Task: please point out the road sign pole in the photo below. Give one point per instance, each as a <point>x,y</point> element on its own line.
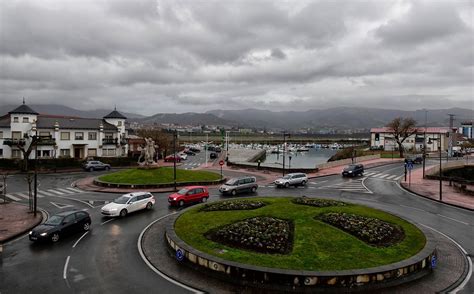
<point>409,178</point>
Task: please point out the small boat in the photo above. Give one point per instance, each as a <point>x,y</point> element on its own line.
<point>302,149</point>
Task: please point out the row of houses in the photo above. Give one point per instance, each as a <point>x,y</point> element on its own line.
<point>62,136</point>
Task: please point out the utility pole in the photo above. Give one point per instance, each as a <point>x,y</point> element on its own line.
<point>440,171</point>
<point>35,199</point>
<point>207,143</point>
<point>174,158</point>
<point>424,143</point>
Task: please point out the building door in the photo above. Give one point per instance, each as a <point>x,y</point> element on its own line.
<point>77,153</point>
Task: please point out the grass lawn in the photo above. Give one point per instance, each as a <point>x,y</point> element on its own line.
<point>158,176</point>
<point>317,246</point>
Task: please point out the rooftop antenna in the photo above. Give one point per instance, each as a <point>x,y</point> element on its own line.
<point>23,100</point>
<point>115,107</point>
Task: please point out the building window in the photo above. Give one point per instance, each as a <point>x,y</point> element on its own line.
<point>109,135</point>
<point>65,136</point>
<point>65,153</point>
<point>1,152</point>
<point>16,154</point>
<point>119,123</point>
<point>16,135</point>
<point>16,119</point>
<point>44,134</point>
<point>92,135</point>
<point>79,136</point>
<point>92,152</point>
<point>26,120</point>
<point>1,134</point>
<point>108,152</point>
<point>46,153</point>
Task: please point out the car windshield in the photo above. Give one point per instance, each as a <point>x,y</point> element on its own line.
<point>122,200</point>
<point>183,191</point>
<point>287,177</point>
<point>54,220</point>
<point>232,182</point>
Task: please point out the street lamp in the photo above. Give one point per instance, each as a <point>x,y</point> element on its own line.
<point>174,158</point>
<point>424,144</point>
<point>440,179</point>
<point>284,149</point>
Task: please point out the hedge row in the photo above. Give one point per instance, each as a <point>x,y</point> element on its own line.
<point>63,163</point>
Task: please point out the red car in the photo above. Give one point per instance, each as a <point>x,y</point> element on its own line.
<point>189,194</point>
<point>172,158</point>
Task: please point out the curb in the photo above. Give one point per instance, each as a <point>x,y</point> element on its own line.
<point>18,234</point>
<point>335,174</point>
<point>435,200</point>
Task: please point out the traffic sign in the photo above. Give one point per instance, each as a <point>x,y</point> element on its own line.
<point>410,165</point>
<point>434,261</point>
<point>179,255</point>
<point>221,162</point>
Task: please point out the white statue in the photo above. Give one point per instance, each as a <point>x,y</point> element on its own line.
<point>148,153</point>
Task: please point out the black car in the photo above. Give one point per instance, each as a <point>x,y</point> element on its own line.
<point>417,159</point>
<point>194,149</point>
<point>213,155</point>
<point>353,170</point>
<point>189,152</point>
<point>96,165</point>
<point>60,225</point>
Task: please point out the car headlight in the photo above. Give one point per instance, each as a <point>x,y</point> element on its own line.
<point>350,172</point>
<point>30,233</point>
<point>113,209</point>
<point>43,234</point>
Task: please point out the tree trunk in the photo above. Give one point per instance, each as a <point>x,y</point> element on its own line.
<point>400,149</point>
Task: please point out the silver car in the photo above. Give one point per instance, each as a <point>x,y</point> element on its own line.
<point>294,179</point>
<point>238,185</point>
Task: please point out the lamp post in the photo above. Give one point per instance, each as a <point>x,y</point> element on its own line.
<point>35,194</point>
<point>424,143</point>
<point>289,163</point>
<point>284,150</point>
<point>440,179</point>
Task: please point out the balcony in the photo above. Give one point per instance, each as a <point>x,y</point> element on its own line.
<point>46,141</point>
<point>14,142</point>
<point>110,141</point>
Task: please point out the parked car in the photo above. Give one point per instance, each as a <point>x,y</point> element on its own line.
<point>213,155</point>
<point>457,154</point>
<point>188,195</point>
<point>218,149</point>
<point>93,165</point>
<point>353,170</point>
<point>293,179</point>
<point>129,203</point>
<point>238,185</point>
<point>60,225</point>
<point>189,152</point>
<point>194,149</point>
<point>172,157</point>
<point>183,156</point>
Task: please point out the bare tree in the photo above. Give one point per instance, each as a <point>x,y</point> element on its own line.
<point>29,179</point>
<point>401,129</point>
<point>163,139</point>
<point>26,146</point>
<point>4,189</point>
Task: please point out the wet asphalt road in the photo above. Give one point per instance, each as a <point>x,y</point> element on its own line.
<point>106,260</point>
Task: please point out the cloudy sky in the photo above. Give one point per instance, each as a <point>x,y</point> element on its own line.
<point>150,56</point>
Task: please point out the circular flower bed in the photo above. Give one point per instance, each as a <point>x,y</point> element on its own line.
<point>233,205</point>
<point>261,234</point>
<point>317,202</point>
<point>370,230</point>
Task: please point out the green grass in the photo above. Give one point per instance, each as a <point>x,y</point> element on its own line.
<point>158,176</point>
<point>317,246</point>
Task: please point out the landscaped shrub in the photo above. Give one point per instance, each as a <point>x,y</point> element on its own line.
<point>233,205</point>
<point>262,234</point>
<point>317,202</point>
<point>370,230</point>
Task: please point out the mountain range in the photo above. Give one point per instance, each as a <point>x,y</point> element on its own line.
<point>331,118</point>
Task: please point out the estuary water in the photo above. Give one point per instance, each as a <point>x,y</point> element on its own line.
<point>301,159</point>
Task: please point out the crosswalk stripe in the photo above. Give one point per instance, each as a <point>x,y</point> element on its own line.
<point>391,177</point>
<point>375,175</point>
<point>398,178</point>
<point>368,174</point>
<point>64,190</point>
<point>13,197</point>
<point>56,192</point>
<point>383,176</point>
<point>45,193</point>
<point>22,195</point>
<point>74,190</point>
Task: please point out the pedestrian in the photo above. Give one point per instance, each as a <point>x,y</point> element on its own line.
<point>258,164</point>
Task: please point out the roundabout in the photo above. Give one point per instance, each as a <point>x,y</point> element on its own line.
<point>295,243</point>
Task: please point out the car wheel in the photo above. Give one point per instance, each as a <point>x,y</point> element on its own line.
<point>107,168</point>
<point>233,192</point>
<point>287,185</point>
<point>123,212</point>
<point>204,199</point>
<point>254,189</point>
<point>149,205</point>
<point>303,183</point>
<point>181,203</point>
<point>91,169</point>
<point>55,237</point>
<point>86,227</point>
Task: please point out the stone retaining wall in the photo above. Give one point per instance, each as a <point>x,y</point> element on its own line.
<point>397,273</point>
<point>347,161</point>
<point>164,185</point>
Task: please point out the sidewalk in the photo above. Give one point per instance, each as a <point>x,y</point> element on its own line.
<point>430,189</point>
<point>15,219</point>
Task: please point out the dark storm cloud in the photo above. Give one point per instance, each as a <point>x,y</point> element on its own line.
<point>177,56</point>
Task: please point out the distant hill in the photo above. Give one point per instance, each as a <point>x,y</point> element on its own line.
<point>188,118</point>
<point>56,109</point>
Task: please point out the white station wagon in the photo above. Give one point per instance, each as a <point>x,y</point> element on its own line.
<point>129,203</point>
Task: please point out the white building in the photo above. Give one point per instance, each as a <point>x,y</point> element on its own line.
<point>435,136</point>
<point>62,136</point>
<point>466,130</point>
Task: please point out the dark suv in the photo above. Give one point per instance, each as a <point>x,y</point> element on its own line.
<point>96,165</point>
<point>353,170</point>
<point>237,185</point>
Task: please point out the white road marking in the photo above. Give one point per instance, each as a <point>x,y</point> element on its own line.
<point>376,175</point>
<point>368,174</point>
<point>77,242</point>
<point>469,273</point>
<point>61,205</point>
<point>64,190</point>
<point>391,177</point>
<point>13,197</point>
<point>74,190</point>
<point>398,178</point>
<point>412,207</point>
<point>22,195</point>
<point>56,192</point>
<point>65,267</point>
<point>317,183</point>
<point>45,193</point>
<point>453,219</point>
<point>107,221</point>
